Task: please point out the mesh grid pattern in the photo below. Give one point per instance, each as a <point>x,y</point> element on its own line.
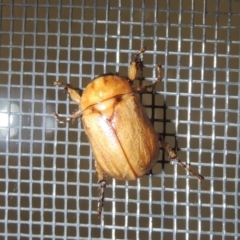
<point>48,186</point>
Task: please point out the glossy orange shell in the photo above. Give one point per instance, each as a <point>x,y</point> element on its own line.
<point>123,140</point>
<point>102,88</point>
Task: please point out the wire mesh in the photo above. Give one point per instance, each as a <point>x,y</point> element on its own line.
<point>48,186</point>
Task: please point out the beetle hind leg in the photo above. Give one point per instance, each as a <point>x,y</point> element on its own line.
<point>101,188</point>
<point>102,184</point>
<point>174,158</point>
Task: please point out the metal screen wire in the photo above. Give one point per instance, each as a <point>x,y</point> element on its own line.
<point>48,185</point>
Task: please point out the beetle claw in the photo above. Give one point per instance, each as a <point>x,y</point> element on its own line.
<point>101,188</point>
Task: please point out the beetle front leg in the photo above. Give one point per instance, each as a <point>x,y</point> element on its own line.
<point>174,158</point>
<point>136,65</point>
<point>72,118</point>
<point>75,95</point>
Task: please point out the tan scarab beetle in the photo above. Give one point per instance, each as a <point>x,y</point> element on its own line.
<point>123,140</point>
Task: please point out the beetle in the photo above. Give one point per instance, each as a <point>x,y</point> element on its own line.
<point>123,140</point>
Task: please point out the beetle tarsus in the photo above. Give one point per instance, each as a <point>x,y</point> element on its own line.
<point>142,50</point>
<point>62,84</point>
<point>159,70</point>
<point>59,120</point>
<point>72,118</point>
<point>101,188</point>
<point>174,158</point>
<point>139,61</point>
<point>187,169</point>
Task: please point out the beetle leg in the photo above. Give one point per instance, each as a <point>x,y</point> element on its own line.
<point>59,120</point>
<point>102,184</point>
<point>101,188</point>
<point>141,89</point>
<point>136,65</point>
<point>174,158</point>
<point>74,93</point>
<point>139,62</point>
<point>72,117</point>
<point>142,50</point>
<point>61,84</point>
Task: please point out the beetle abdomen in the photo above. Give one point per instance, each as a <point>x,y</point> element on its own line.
<point>125,146</point>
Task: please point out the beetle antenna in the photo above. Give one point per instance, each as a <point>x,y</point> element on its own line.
<point>101,188</point>
<point>174,158</point>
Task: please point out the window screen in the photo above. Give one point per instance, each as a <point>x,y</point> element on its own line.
<point>48,185</point>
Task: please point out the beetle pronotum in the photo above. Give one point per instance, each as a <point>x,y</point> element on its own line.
<point>123,140</point>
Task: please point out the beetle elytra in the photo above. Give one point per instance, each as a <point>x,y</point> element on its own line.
<point>123,140</point>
